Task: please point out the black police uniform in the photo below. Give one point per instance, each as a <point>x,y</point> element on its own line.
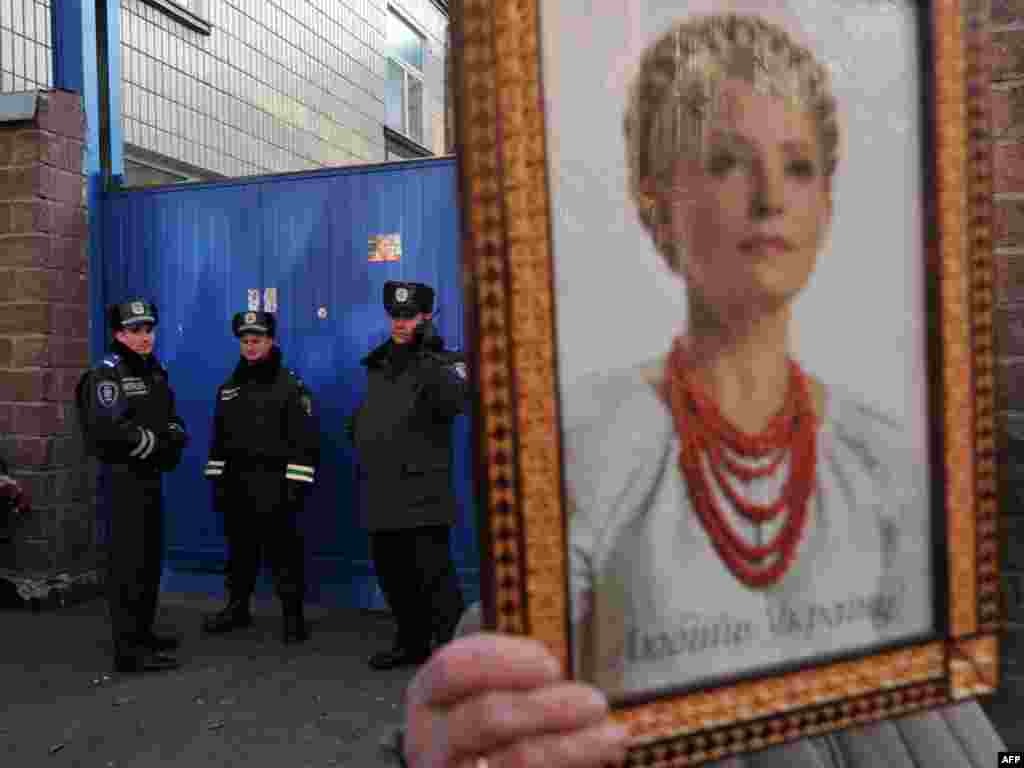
<point>402,433</point>
<point>263,460</point>
<point>128,418</point>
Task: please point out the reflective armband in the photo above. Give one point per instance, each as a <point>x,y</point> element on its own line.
<point>145,446</point>
<point>214,468</point>
<point>299,472</point>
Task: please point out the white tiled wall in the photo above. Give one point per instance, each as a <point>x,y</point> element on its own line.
<point>278,85</point>
<point>26,61</point>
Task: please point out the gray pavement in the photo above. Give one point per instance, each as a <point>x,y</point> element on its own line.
<point>239,700</point>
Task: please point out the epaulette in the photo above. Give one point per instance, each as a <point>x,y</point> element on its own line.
<point>111,360</point>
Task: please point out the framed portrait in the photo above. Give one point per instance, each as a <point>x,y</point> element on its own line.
<point>729,276</point>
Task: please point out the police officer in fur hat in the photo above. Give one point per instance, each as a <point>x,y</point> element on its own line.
<point>263,461</point>
<point>402,433</point>
<point>128,419</point>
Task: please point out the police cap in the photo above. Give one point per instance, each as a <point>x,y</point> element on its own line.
<point>262,323</point>
<point>408,299</point>
<point>130,313</point>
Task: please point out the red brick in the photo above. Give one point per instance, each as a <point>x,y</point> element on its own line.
<point>74,155</point>
<point>34,146</point>
<point>1008,112</point>
<point>24,386</point>
<point>1010,386</point>
<point>21,183</point>
<point>26,318</point>
<point>26,250</point>
<point>1007,11</point>
<point>31,216</point>
<point>74,288</point>
<point>29,285</point>
<point>5,146</point>
<point>26,451</point>
<point>1007,54</point>
<point>70,253</point>
<point>36,418</point>
<point>57,184</point>
<point>68,353</point>
<point>68,219</point>
<point>61,112</point>
<point>30,352</point>
<point>60,384</point>
<point>1009,167</point>
<point>1008,222</point>
<point>71,322</point>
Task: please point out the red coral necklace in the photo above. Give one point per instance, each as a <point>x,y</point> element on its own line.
<point>705,434</point>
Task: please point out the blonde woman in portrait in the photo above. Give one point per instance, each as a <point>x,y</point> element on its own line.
<point>727,510</point>
<point>732,142</point>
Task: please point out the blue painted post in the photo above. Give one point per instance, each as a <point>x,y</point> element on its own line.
<point>76,68</point>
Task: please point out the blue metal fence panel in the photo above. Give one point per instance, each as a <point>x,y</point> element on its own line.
<point>199,250</point>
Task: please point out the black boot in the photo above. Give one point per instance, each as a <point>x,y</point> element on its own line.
<point>234,615</point>
<point>398,657</point>
<point>294,629</point>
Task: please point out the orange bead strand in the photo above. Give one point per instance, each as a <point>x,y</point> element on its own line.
<point>705,434</point>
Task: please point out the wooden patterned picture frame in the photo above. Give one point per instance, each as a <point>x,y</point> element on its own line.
<point>549,215</point>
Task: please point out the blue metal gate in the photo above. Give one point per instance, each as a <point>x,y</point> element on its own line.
<point>300,241</point>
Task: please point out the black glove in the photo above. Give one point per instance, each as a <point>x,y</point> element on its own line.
<point>425,336</point>
<point>171,444</point>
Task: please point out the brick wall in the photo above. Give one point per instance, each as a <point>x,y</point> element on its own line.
<point>44,324</point>
<point>1004,42</point>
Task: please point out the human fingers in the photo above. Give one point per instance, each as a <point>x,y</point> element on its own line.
<point>600,746</point>
<point>482,662</point>
<point>495,719</point>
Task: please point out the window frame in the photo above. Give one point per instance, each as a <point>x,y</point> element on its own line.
<point>408,71</point>
<point>197,19</point>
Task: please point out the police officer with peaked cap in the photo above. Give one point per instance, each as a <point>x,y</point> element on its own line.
<point>402,433</point>
<point>263,460</point>
<point>128,419</point>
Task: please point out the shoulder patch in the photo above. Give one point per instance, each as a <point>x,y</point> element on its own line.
<point>107,393</point>
<point>111,361</point>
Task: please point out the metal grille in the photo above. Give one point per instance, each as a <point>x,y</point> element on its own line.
<point>26,58</point>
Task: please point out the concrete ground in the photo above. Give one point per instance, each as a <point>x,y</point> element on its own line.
<point>239,700</point>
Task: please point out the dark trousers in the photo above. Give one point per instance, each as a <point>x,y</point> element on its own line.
<point>417,576</point>
<point>134,507</point>
<point>259,522</point>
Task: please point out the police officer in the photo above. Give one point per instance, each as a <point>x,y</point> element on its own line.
<point>403,435</point>
<point>263,460</point>
<point>128,419</point>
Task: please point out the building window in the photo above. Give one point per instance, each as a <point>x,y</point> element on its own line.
<point>403,97</point>
<point>191,13</point>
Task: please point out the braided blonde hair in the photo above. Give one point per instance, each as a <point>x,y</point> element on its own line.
<point>675,94</point>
